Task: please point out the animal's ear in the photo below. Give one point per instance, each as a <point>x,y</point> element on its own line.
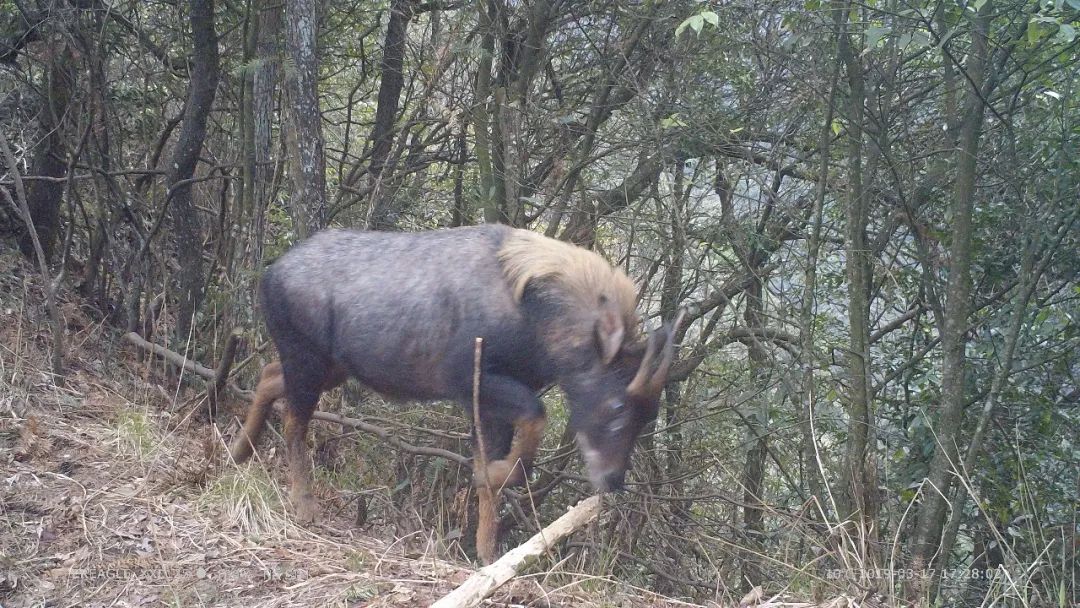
<point>609,330</point>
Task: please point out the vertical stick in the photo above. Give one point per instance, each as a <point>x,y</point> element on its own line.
<point>50,287</point>
<point>216,386</point>
<point>487,524</point>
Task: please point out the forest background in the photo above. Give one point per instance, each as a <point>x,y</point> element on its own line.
<point>869,210</point>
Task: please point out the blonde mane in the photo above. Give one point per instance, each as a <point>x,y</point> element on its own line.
<point>583,275</point>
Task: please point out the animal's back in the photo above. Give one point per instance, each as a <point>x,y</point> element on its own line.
<point>398,310</point>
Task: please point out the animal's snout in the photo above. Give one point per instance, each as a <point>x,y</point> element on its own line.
<point>613,482</point>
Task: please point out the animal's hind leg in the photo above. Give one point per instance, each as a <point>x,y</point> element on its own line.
<point>271,387</point>
<point>307,378</point>
<point>297,416</point>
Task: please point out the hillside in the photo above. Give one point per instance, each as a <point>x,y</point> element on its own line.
<point>114,493</point>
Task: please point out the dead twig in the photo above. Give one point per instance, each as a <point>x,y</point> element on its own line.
<point>388,436</point>
<point>489,578</point>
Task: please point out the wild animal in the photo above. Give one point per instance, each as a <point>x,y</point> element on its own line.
<point>400,313</point>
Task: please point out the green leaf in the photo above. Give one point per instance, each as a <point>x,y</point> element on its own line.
<point>1066,34</point>
<point>915,39</point>
<point>696,23</point>
<point>978,5</point>
<point>875,34</point>
<point>671,122</point>
<point>682,26</point>
<point>711,17</point>
<point>836,126</point>
<point>1033,32</point>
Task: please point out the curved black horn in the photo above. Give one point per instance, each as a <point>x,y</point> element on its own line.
<point>650,384</point>
<point>659,377</point>
<point>641,383</point>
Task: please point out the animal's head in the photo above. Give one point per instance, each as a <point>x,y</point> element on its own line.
<point>585,310</point>
<point>612,403</point>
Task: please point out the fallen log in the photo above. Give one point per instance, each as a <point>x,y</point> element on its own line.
<point>171,356</point>
<point>489,578</point>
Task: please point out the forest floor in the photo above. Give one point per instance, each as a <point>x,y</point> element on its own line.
<point>112,493</point>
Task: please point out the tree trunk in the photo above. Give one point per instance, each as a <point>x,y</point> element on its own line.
<point>46,278</point>
<point>44,197</point>
<point>528,50</point>
<point>958,303</point>
<point>1028,281</point>
<point>381,216</point>
<point>856,487</point>
<point>259,90</point>
<point>669,303</point>
<point>308,163</point>
<point>481,116</point>
<point>757,439</point>
<point>460,215</point>
<point>808,454</point>
<point>187,229</point>
<point>245,213</point>
<point>500,107</point>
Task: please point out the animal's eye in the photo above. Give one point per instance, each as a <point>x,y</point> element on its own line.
<point>616,425</point>
<point>619,417</point>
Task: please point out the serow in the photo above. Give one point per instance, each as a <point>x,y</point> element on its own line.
<point>400,312</point>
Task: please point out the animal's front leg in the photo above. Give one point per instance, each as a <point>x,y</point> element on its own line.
<point>511,470</point>
<point>511,426</point>
<point>513,422</point>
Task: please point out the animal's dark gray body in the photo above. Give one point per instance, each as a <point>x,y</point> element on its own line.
<point>400,311</point>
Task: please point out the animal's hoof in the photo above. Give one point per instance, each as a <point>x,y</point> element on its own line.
<point>502,473</point>
<point>305,509</point>
<point>240,450</point>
